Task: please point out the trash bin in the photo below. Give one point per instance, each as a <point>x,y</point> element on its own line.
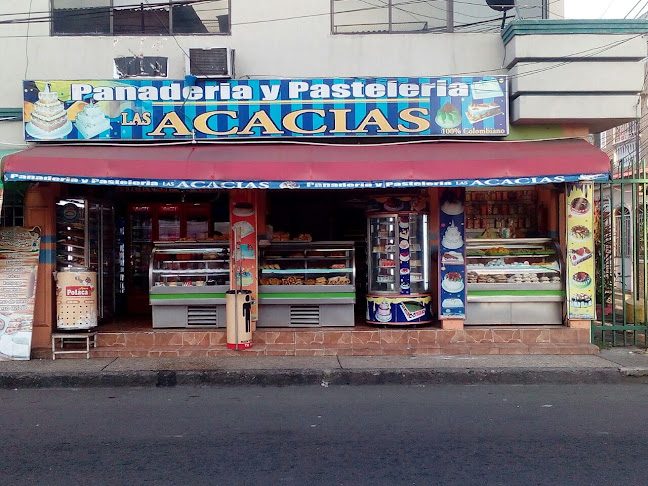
<point>76,299</point>
<point>238,304</point>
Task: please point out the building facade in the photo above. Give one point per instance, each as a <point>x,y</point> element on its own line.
<point>354,165</point>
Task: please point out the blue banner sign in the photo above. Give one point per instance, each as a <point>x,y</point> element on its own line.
<point>12,176</point>
<point>275,108</point>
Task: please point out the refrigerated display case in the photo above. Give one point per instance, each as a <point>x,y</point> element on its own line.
<point>187,283</point>
<point>399,269</point>
<point>307,284</point>
<point>158,222</point>
<point>85,239</point>
<point>514,281</point>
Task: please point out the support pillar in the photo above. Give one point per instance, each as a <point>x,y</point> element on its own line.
<point>40,211</point>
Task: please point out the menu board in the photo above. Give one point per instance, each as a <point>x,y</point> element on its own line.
<point>580,251</point>
<point>244,265</point>
<point>19,252</point>
<point>452,255</point>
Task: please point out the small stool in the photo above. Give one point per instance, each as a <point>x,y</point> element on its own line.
<point>90,337</point>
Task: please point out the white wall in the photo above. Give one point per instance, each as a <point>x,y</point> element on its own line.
<point>267,43</point>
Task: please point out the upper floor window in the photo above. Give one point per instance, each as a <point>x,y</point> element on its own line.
<point>148,17</point>
<point>398,16</point>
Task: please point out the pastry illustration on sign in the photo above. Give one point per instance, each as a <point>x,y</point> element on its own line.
<point>384,313</point>
<point>452,208</point>
<point>480,111</point>
<point>579,206</point>
<point>452,282</point>
<point>246,228</point>
<point>448,116</point>
<point>49,119</point>
<point>452,303</point>
<point>243,209</point>
<point>92,121</point>
<point>581,280</point>
<point>452,238</point>
<point>579,255</point>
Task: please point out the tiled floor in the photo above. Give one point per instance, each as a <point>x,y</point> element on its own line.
<point>139,339</point>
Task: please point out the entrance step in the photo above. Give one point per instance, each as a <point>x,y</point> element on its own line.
<point>359,341</point>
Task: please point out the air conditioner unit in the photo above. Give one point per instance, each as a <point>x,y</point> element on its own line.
<point>211,62</point>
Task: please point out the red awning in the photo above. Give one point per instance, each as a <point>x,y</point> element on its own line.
<point>416,162</point>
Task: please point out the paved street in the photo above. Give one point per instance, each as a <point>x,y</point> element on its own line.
<point>425,435</point>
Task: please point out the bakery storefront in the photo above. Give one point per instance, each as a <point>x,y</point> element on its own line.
<point>360,202</point>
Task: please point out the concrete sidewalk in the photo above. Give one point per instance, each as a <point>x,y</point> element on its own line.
<point>618,365</point>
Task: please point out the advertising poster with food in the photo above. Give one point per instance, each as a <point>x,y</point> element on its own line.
<point>135,109</point>
<point>580,251</point>
<point>19,252</point>
<point>243,220</point>
<point>452,255</point>
<point>403,310</point>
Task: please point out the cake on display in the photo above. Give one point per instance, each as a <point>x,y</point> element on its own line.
<point>92,121</point>
<point>49,119</point>
<point>452,238</point>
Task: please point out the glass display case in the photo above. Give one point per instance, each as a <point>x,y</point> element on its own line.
<point>399,269</point>
<point>514,281</point>
<point>307,284</point>
<point>85,240</point>
<point>187,283</point>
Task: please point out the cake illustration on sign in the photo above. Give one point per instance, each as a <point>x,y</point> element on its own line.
<point>480,111</point>
<point>49,119</point>
<point>384,313</point>
<point>452,239</point>
<point>92,121</point>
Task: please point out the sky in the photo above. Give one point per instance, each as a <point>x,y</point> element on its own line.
<point>596,9</point>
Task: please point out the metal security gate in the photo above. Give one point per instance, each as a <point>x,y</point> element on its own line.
<point>620,257</point>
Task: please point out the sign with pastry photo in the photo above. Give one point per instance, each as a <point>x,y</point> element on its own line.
<point>135,109</point>
<point>452,261</point>
<point>580,251</point>
<point>243,222</point>
<point>19,252</point>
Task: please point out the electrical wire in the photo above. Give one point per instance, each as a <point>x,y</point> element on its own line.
<point>635,6</point>
<point>27,43</point>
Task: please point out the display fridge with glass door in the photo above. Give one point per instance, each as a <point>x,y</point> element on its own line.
<point>85,240</point>
<point>399,267</point>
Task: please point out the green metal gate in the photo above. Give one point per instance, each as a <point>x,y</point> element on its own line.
<point>620,257</point>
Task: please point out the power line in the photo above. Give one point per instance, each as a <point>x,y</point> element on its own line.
<point>629,11</point>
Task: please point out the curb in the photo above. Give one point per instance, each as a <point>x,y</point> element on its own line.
<point>448,376</point>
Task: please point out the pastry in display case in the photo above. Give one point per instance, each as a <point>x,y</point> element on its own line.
<point>187,283</point>
<point>517,281</point>
<point>398,255</point>
<point>305,283</point>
